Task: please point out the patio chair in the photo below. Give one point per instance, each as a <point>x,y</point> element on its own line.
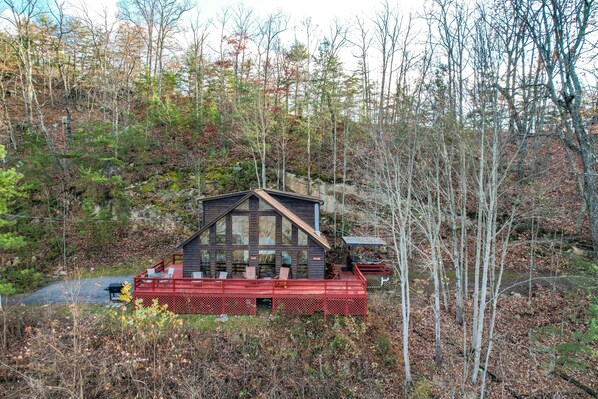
<point>197,275</point>
<point>169,275</point>
<point>223,275</point>
<point>282,277</point>
<point>250,273</point>
<point>151,273</point>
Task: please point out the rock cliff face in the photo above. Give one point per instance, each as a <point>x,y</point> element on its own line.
<point>173,208</point>
<point>325,190</point>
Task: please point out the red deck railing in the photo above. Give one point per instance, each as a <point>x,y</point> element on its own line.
<point>344,296</point>
<point>374,268</point>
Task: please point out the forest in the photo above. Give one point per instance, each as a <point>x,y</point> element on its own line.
<point>463,133</point>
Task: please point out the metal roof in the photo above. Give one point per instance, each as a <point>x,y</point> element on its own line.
<point>357,240</point>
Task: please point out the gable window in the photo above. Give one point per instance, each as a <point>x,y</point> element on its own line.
<point>264,206</point>
<point>244,206</point>
<point>267,230</point>
<point>301,237</point>
<point>240,229</point>
<point>287,232</point>
<point>221,231</point>
<point>204,238</point>
<point>267,263</point>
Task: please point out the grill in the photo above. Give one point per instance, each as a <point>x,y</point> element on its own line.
<point>114,289</point>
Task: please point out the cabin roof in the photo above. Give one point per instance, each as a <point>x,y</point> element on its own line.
<point>269,191</point>
<point>277,206</point>
<point>363,240</point>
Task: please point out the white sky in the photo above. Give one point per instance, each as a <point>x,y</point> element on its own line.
<point>322,14</point>
<point>321,11</point>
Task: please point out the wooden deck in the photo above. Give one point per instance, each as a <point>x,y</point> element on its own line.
<point>348,284</point>
<point>346,295</point>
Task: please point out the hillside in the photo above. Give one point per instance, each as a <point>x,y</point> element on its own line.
<point>463,134</point>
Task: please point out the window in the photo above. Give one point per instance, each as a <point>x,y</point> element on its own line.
<point>220,261</point>
<point>240,229</point>
<point>301,237</point>
<point>267,263</point>
<point>264,206</point>
<point>287,261</point>
<point>287,232</point>
<point>244,206</point>
<point>302,264</point>
<point>204,262</point>
<point>267,230</point>
<point>240,261</point>
<point>204,238</point>
<point>221,231</point>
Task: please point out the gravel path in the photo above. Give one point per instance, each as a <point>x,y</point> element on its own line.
<point>90,290</point>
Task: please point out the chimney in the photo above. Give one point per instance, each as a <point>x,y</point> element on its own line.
<point>317,217</point>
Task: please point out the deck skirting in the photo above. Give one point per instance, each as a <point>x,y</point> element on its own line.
<point>239,304</point>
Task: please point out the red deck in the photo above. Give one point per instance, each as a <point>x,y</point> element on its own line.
<point>344,296</point>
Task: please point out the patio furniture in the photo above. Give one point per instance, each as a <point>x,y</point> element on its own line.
<point>250,273</point>
<point>334,270</point>
<point>282,277</point>
<point>223,275</point>
<point>169,275</point>
<point>151,273</point>
<point>197,275</point>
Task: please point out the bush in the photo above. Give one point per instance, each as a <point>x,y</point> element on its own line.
<point>23,280</point>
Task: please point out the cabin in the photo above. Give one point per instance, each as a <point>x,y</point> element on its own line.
<point>253,246</point>
<point>265,229</point>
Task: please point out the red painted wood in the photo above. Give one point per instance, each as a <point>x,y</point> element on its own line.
<point>344,296</point>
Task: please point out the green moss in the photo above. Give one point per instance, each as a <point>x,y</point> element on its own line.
<point>382,343</point>
<point>125,268</point>
<point>422,390</point>
<point>579,263</point>
<point>339,343</point>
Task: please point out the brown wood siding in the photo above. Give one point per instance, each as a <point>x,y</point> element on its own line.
<point>302,208</point>
<point>214,208</point>
<point>315,261</point>
<point>191,257</point>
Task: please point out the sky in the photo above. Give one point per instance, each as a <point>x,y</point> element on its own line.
<point>322,13</point>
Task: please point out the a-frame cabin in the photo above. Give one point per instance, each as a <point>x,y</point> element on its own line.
<point>266,229</point>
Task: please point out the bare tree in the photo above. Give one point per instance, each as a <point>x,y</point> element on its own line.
<point>395,169</point>
<point>560,32</point>
<point>20,16</point>
<point>196,61</point>
<point>160,20</point>
<point>269,30</point>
